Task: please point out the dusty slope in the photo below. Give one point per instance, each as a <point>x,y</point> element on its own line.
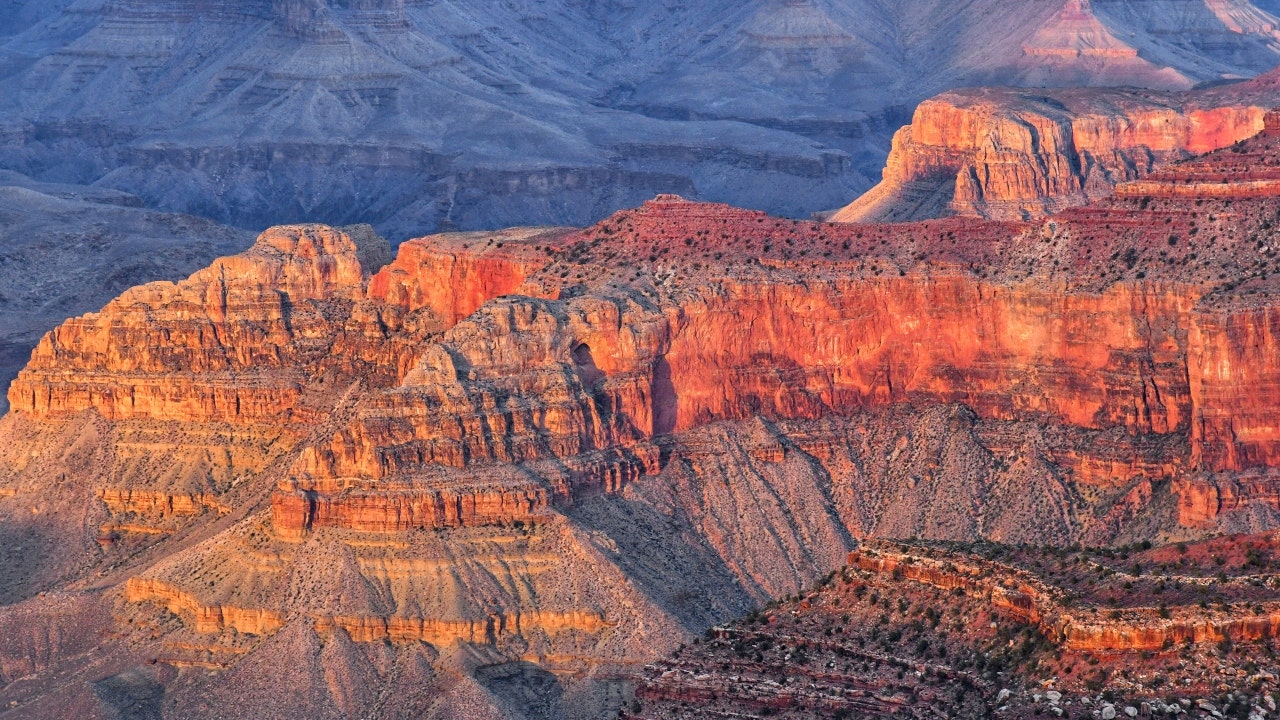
<point>412,115</point>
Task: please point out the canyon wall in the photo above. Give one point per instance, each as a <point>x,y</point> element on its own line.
<point>538,381</point>
<point>1015,154</point>
<point>227,344</point>
<point>567,447</point>
<point>474,266</point>
<point>568,113</point>
<point>579,388</point>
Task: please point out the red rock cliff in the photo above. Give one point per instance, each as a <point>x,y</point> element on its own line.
<point>1018,154</point>
<point>586,385</point>
<point>451,276</point>
<point>677,315</point>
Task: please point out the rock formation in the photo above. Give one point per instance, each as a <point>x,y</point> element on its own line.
<point>1020,595</point>
<point>544,451</point>
<point>906,630</point>
<point>1016,154</point>
<point>1077,32</point>
<point>239,331</point>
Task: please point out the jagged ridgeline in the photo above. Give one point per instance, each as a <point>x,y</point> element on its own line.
<point>501,471</point>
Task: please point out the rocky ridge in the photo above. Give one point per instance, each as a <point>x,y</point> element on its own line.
<point>918,629</point>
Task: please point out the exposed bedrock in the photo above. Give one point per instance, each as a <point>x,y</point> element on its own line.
<point>1012,154</point>
<point>1023,596</point>
<point>574,447</point>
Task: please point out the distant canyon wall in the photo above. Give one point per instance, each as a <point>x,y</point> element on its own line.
<point>1021,154</point>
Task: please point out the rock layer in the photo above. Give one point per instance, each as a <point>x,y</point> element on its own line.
<point>1015,154</point>
<point>1021,596</point>
<point>876,638</point>
<point>580,388</point>
<point>223,345</point>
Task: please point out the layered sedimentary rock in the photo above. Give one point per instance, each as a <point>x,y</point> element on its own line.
<point>205,619</point>
<point>54,264</point>
<point>223,345</point>
<point>559,383</point>
<point>572,448</point>
<point>154,99</point>
<point>124,500</point>
<point>443,633</point>
<point>1017,154</point>
<point>581,387</point>
<point>386,508</point>
<point>497,265</point>
<point>1076,44</point>
<point>975,630</point>
<point>1203,499</point>
<point>1076,32</point>
<point>1021,595</point>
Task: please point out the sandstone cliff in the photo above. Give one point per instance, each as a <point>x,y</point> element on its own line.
<point>582,387</point>
<point>1018,154</point>
<point>226,344</point>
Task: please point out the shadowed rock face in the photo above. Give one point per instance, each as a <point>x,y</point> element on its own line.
<point>415,115</point>
<point>508,457</point>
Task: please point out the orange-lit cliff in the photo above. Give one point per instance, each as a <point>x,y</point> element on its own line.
<point>521,441</point>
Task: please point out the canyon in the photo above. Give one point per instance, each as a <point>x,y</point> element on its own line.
<point>413,116</point>
<point>498,473</point>
<point>420,111</point>
<point>1000,438</point>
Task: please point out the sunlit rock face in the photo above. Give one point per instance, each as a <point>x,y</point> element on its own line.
<point>560,452</point>
<point>184,351</point>
<point>417,117</point>
<point>1015,154</point>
